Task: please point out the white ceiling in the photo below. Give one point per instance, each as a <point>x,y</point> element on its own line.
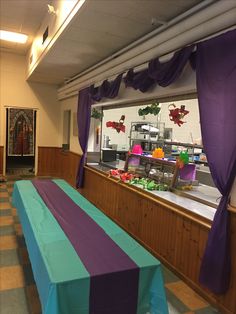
<point>23,16</point>
<point>102,28</point>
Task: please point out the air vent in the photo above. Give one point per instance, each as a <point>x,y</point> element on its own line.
<point>45,35</point>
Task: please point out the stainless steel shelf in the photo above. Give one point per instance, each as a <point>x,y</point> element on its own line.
<point>183,144</point>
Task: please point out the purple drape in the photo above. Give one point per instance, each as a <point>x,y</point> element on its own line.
<point>106,89</point>
<point>86,97</point>
<point>161,73</point>
<point>216,86</point>
<point>83,120</point>
<point>168,72</point>
<point>140,80</point>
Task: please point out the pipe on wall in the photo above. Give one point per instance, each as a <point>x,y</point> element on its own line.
<point>219,16</point>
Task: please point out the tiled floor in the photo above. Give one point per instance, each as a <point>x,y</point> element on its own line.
<point>18,292</point>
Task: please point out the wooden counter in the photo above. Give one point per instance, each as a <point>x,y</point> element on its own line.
<point>176,235</point>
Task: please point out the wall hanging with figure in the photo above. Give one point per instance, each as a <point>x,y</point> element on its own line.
<point>21,132</point>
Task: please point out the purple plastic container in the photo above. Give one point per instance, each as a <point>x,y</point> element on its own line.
<point>188,172</point>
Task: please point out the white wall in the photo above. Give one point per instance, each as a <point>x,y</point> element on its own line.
<point>16,91</point>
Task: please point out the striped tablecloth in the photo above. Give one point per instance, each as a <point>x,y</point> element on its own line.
<point>83,263</point>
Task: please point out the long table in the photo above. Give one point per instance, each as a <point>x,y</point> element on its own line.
<point>101,270</point>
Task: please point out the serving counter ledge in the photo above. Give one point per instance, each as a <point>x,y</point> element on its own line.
<point>186,200</point>
<point>172,227</point>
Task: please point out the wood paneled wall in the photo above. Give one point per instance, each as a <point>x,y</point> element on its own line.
<point>48,161</point>
<point>1,159</point>
<point>176,236</point>
<point>53,161</point>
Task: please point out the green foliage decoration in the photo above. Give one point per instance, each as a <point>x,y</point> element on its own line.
<point>97,114</point>
<point>151,109</point>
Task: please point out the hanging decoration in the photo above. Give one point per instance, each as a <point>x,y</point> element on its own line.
<point>118,126</point>
<point>20,132</point>
<point>177,114</point>
<point>151,109</point>
<point>182,159</point>
<point>97,114</point>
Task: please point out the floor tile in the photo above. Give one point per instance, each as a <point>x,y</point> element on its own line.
<point>4,199</point>
<point>3,194</point>
<point>9,258</point>
<point>5,230</point>
<point>13,301</point>
<point>10,184</point>
<point>16,219</point>
<point>23,256</point>
<point>208,310</point>
<point>28,274</point>
<point>21,241</point>
<point>168,275</point>
<point>18,229</point>
<point>186,295</point>
<point>33,299</point>
<point>175,304</point>
<point>8,242</point>
<point>14,211</point>
<point>6,220</point>
<point>3,186</point>
<point>11,277</point>
<point>10,190</point>
<point>5,212</point>
<point>5,205</point>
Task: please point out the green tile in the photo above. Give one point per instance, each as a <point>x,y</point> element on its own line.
<point>4,199</point>
<point>5,212</point>
<point>3,189</point>
<point>6,230</point>
<point>13,301</point>
<point>9,184</point>
<point>175,304</point>
<point>9,258</point>
<point>208,310</point>
<point>168,276</point>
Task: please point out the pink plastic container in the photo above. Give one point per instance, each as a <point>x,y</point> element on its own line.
<point>137,149</point>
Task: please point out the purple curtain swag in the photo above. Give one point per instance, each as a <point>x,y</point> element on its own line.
<point>159,73</point>
<point>216,81</point>
<point>86,98</point>
<point>106,89</point>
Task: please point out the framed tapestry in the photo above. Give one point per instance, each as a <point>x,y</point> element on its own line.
<point>20,132</point>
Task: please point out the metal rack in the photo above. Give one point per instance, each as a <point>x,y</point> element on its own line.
<point>187,145</point>
<point>148,138</point>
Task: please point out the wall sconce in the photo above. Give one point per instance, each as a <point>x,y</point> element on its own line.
<point>51,9</point>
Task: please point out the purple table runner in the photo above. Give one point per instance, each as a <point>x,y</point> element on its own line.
<point>114,276</point>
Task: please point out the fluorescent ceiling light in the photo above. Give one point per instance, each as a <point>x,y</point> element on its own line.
<point>14,37</point>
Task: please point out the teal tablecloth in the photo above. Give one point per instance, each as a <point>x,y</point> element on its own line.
<point>62,280</point>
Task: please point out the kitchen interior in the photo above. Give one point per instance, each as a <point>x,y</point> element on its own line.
<point>149,146</point>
